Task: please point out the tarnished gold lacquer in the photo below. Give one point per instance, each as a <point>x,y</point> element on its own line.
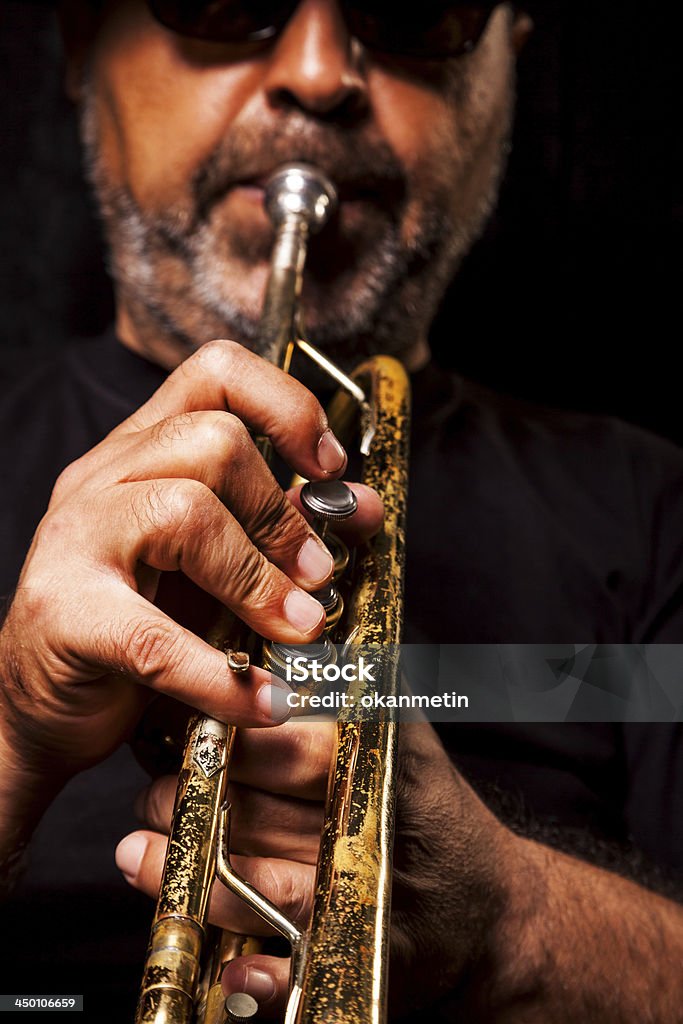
<point>344,974</point>
<point>172,967</point>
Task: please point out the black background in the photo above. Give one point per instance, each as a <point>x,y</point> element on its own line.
<point>571,297</point>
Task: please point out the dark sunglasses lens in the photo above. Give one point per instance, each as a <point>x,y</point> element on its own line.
<point>424,30</point>
<point>428,29</point>
<point>224,21</point>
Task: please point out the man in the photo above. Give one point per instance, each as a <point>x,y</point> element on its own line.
<point>567,530</point>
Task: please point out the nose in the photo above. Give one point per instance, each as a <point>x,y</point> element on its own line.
<point>316,65</point>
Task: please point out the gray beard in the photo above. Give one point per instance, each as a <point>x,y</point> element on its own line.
<point>171,274</point>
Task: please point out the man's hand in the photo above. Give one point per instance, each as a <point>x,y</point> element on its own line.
<point>486,925</point>
<point>448,848</point>
<point>179,488</point>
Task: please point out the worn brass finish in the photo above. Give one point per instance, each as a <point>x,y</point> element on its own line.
<point>173,962</point>
<point>344,975</point>
<point>339,963</point>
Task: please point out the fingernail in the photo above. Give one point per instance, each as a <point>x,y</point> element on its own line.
<point>237,978</point>
<point>314,561</point>
<point>303,611</point>
<point>259,985</point>
<point>331,455</point>
<point>129,854</point>
<point>271,700</point>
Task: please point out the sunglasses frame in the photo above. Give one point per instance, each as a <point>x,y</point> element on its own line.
<point>406,41</point>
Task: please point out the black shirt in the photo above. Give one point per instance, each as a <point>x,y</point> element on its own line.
<point>526,525</point>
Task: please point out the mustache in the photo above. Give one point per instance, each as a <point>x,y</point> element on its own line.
<point>358,163</point>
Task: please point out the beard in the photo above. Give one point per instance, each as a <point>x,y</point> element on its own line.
<point>373,278</point>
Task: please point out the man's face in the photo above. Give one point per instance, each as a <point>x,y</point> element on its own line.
<point>181,135</point>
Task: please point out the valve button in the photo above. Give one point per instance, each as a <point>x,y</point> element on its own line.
<point>240,1007</point>
<point>329,500</point>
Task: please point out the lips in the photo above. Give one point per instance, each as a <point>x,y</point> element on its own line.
<point>249,186</point>
<point>362,190</point>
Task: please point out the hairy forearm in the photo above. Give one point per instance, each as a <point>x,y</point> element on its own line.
<point>579,943</point>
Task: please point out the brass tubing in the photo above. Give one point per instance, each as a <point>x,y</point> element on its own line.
<point>173,959</point>
<point>343,977</point>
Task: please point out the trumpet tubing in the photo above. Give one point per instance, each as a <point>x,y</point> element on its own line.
<point>339,962</point>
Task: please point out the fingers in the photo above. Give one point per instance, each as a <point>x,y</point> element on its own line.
<point>126,634</point>
<point>224,376</point>
<point>215,449</point>
<point>259,557</point>
<point>181,525</point>
<point>261,824</point>
<point>175,481</point>
<point>264,978</point>
<point>293,760</point>
<point>363,524</point>
<point>287,884</point>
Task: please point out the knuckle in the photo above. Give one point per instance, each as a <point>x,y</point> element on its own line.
<point>171,507</point>
<point>55,528</point>
<point>251,581</point>
<point>67,481</point>
<point>311,752</point>
<point>71,535</point>
<point>34,598</point>
<point>224,435</point>
<point>216,359</point>
<point>295,896</point>
<point>150,646</point>
<point>213,434</point>
<point>278,523</point>
<point>283,887</point>
<point>171,429</point>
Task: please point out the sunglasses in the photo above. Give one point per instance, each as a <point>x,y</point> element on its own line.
<point>428,30</point>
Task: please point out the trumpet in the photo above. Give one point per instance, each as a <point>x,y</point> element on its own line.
<point>339,962</point>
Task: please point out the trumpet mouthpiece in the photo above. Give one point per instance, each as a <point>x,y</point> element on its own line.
<point>300,190</point>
